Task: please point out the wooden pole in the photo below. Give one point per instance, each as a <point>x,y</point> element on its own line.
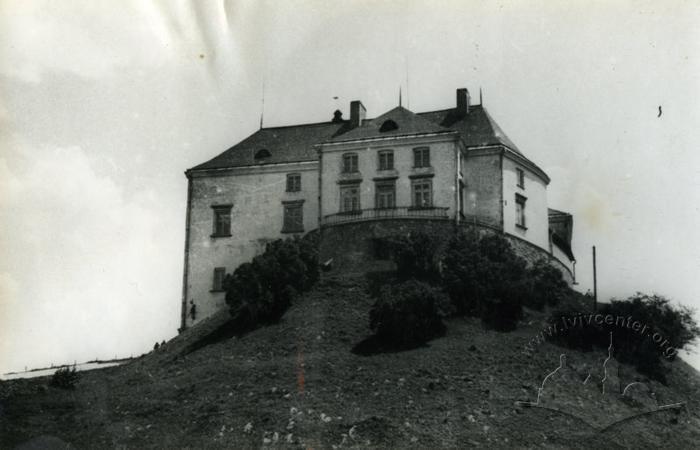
<point>595,283</point>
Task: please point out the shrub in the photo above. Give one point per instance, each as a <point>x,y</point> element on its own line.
<point>674,323</point>
<point>415,256</point>
<point>485,278</point>
<point>545,286</point>
<point>409,314</point>
<point>65,378</point>
<point>262,290</point>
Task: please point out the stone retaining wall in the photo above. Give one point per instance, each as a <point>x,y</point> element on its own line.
<point>351,245</point>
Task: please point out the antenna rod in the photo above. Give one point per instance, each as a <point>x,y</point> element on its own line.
<point>262,109</point>
<point>408,96</point>
<point>399,95</point>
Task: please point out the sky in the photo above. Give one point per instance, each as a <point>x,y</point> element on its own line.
<point>104,105</point>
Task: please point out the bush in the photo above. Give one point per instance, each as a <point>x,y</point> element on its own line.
<point>409,314</point>
<point>415,256</point>
<point>485,278</point>
<point>65,378</point>
<point>546,286</point>
<point>261,291</point>
<point>674,323</point>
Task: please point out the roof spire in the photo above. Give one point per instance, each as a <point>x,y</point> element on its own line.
<point>399,95</point>
<point>262,101</point>
<point>481,100</point>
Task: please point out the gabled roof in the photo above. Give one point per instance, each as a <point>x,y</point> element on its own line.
<point>286,144</point>
<point>476,127</point>
<point>407,123</point>
<point>296,143</point>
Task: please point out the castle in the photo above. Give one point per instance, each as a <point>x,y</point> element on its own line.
<point>451,166</point>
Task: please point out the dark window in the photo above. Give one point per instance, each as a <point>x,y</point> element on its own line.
<point>386,160</point>
<point>521,177</point>
<point>388,125</point>
<point>386,195</point>
<point>422,193</point>
<point>520,210</point>
<point>293,218</point>
<point>222,220</point>
<point>219,275</point>
<point>293,182</point>
<point>421,157</point>
<point>350,198</point>
<point>263,153</point>
<point>350,162</point>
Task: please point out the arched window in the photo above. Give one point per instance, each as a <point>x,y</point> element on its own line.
<point>263,153</point>
<point>388,125</point>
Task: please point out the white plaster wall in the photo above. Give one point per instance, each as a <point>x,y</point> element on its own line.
<point>561,256</point>
<point>483,186</point>
<point>536,216</point>
<point>442,161</point>
<point>256,218</point>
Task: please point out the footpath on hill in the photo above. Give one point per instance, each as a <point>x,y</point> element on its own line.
<point>298,384</point>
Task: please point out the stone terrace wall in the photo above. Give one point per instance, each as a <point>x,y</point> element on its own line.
<point>352,245</point>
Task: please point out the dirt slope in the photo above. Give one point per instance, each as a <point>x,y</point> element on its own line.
<point>298,384</point>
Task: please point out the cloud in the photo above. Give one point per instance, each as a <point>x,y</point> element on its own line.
<point>86,39</point>
<point>82,264</point>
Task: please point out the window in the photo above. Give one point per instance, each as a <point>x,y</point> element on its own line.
<point>350,198</point>
<point>388,125</point>
<point>293,182</point>
<point>386,195</point>
<point>386,160</point>
<point>521,177</point>
<point>219,276</point>
<point>293,217</point>
<point>520,210</point>
<point>350,162</point>
<point>222,220</point>
<point>422,193</point>
<point>263,153</point>
<point>421,157</point>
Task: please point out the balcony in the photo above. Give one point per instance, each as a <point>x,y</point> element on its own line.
<point>403,212</point>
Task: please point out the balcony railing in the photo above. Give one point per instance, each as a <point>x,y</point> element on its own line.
<point>403,212</point>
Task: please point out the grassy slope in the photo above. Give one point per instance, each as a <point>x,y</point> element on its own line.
<point>299,379</point>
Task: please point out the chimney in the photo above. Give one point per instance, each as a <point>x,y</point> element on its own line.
<point>463,101</point>
<point>357,113</point>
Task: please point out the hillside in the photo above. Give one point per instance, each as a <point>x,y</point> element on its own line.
<point>298,384</point>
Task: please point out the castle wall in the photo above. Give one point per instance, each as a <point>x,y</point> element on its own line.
<point>561,256</point>
<point>536,213</point>
<point>257,213</point>
<point>483,188</point>
<point>441,172</point>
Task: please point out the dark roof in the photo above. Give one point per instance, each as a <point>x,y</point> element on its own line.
<point>555,212</point>
<point>477,127</point>
<point>296,143</point>
<point>408,123</point>
<point>286,144</point>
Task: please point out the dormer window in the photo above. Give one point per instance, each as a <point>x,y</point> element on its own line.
<point>388,125</point>
<point>262,154</point>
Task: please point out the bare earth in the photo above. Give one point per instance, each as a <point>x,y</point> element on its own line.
<point>297,384</point>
